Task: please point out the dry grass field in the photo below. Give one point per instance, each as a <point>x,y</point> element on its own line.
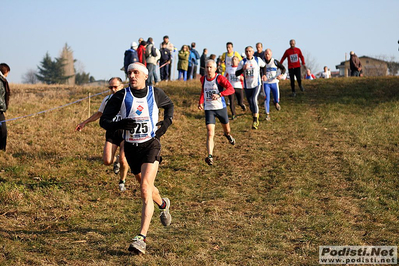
<point>323,171</point>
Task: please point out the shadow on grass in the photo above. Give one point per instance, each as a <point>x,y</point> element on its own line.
<point>39,155</point>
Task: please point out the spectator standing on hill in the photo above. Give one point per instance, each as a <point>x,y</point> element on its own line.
<point>294,54</point>
<point>355,65</point>
<point>171,48</point>
<point>182,64</point>
<point>194,63</point>
<point>113,138</point>
<point>237,83</point>
<point>141,52</point>
<point>139,106</point>
<point>271,80</point>
<point>250,66</point>
<point>214,88</point>
<point>203,62</point>
<point>130,56</point>
<point>191,59</point>
<point>4,103</point>
<point>152,57</point>
<point>227,56</point>
<point>309,75</point>
<point>164,62</point>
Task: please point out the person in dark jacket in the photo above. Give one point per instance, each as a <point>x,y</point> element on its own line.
<point>130,56</point>
<point>203,62</point>
<point>355,65</point>
<point>164,62</point>
<point>4,103</point>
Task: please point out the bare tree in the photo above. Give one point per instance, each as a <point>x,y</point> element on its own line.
<point>30,77</point>
<point>69,69</point>
<point>393,66</point>
<point>310,62</point>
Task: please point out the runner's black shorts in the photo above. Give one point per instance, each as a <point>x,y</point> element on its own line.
<point>138,154</point>
<point>221,114</point>
<point>115,137</point>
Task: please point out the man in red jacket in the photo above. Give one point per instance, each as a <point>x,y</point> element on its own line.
<point>294,66</point>
<point>141,52</point>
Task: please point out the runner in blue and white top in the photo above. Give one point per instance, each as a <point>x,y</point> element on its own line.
<point>250,66</point>
<point>139,106</point>
<point>237,83</point>
<point>270,79</point>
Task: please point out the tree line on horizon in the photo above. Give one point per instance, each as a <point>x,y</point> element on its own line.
<point>60,70</point>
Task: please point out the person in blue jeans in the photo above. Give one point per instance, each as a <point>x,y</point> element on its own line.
<point>182,64</point>
<point>270,80</point>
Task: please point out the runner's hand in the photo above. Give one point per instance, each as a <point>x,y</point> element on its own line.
<point>164,126</point>
<point>127,124</point>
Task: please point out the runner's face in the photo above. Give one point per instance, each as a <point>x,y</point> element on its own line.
<point>137,79</point>
<point>235,61</point>
<point>229,48</point>
<point>292,43</point>
<point>210,70</point>
<point>249,52</point>
<point>114,85</point>
<point>259,48</point>
<point>268,55</point>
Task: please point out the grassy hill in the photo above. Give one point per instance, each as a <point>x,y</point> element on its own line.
<point>323,171</point>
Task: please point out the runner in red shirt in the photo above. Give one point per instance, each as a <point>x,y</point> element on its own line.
<point>214,88</point>
<point>294,67</point>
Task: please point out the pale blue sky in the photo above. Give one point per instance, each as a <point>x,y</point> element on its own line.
<point>100,31</point>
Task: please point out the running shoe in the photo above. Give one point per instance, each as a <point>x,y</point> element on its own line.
<point>267,117</point>
<point>165,216</point>
<point>230,139</point>
<point>234,117</point>
<point>122,185</point>
<point>255,125</point>
<point>117,165</point>
<point>209,160</point>
<point>293,94</point>
<point>302,89</point>
<point>138,245</point>
<point>243,107</point>
<point>278,107</point>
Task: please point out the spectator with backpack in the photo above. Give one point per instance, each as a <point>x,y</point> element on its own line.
<point>130,56</point>
<point>152,58</point>
<point>193,62</point>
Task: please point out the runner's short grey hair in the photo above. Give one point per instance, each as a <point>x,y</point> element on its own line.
<point>212,62</point>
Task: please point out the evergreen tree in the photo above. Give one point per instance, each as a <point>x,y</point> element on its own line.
<point>82,78</point>
<point>52,71</point>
